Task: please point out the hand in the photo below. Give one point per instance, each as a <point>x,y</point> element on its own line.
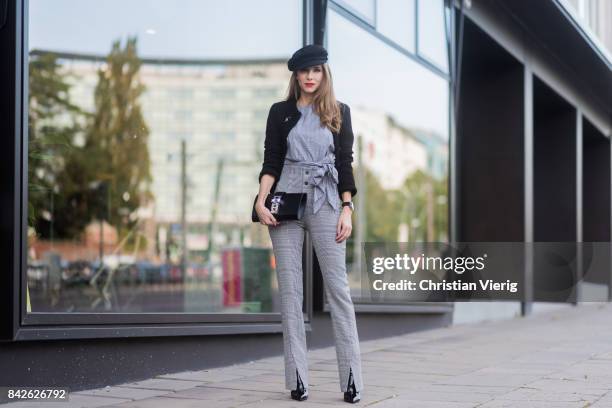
<point>265,216</point>
<point>345,226</point>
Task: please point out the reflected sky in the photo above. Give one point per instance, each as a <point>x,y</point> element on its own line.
<point>395,19</point>
<point>370,73</point>
<point>180,29</point>
<point>432,41</point>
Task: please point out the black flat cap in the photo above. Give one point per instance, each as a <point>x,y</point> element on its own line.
<point>307,57</point>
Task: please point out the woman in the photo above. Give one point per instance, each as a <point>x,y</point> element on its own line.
<point>309,148</point>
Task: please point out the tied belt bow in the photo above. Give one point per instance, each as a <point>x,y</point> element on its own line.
<point>322,189</point>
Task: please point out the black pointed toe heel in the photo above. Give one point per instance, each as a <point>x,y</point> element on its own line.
<point>300,393</point>
<point>351,395</point>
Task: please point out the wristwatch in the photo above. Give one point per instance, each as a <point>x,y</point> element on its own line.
<point>349,204</point>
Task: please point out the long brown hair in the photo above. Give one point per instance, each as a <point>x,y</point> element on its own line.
<point>324,101</point>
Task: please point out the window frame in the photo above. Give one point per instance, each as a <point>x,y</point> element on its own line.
<point>18,325</point>
<point>346,11</point>
<point>366,306</point>
<point>76,325</point>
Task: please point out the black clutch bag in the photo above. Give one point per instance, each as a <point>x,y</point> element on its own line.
<point>283,206</point>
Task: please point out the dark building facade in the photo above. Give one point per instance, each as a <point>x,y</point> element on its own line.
<point>129,168</point>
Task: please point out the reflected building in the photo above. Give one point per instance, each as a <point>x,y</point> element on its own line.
<point>437,152</point>
<point>219,109</point>
<point>391,151</point>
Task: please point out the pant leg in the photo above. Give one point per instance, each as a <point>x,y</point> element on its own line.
<point>287,240</point>
<point>332,260</point>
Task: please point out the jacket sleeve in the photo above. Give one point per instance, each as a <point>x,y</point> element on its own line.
<point>346,180</point>
<point>273,154</point>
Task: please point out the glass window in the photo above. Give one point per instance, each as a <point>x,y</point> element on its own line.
<point>223,115</point>
<point>364,9</point>
<point>399,111</point>
<point>260,114</point>
<point>395,19</point>
<point>180,93</point>
<point>183,115</point>
<point>265,92</point>
<point>432,35</point>
<point>178,136</point>
<point>108,231</point>
<point>223,93</point>
<point>223,136</point>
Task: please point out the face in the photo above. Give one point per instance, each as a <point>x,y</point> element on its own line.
<point>310,78</point>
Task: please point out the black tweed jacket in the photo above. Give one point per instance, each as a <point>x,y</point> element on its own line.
<point>283,116</point>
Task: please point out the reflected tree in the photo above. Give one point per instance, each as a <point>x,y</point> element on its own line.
<point>115,151</point>
<point>53,124</point>
<point>425,210</point>
<point>421,204</point>
<point>383,210</point>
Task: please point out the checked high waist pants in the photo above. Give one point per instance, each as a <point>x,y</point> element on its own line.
<point>287,240</point>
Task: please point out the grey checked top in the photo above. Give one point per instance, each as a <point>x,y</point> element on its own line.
<point>311,143</point>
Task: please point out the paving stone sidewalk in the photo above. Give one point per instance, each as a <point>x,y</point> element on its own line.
<point>554,359</point>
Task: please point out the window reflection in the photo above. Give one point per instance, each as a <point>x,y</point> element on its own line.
<point>400,121</point>
<point>431,35</point>
<point>364,9</point>
<point>144,153</point>
<point>395,19</point>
